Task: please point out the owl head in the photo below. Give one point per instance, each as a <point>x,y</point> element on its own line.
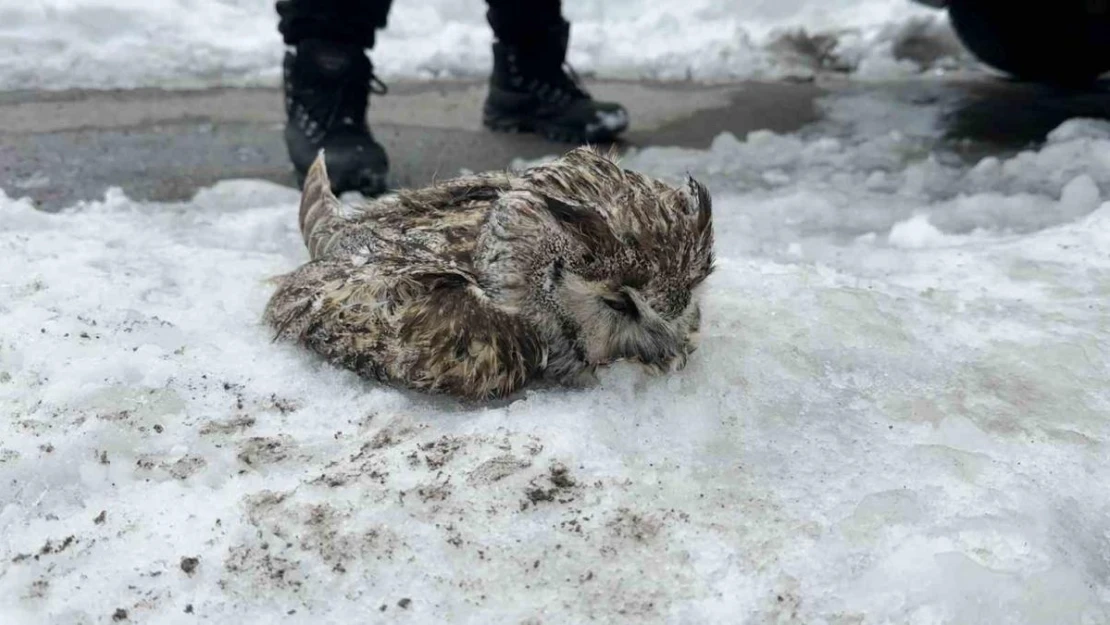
<point>635,250</point>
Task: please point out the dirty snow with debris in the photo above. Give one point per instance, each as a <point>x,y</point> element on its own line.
<point>53,44</point>
<point>899,414</point>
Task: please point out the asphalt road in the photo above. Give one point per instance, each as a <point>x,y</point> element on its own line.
<point>61,147</point>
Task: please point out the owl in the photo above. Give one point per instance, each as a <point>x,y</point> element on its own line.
<point>479,285</point>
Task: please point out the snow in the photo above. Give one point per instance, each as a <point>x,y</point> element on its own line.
<point>898,415</point>
<point>56,44</point>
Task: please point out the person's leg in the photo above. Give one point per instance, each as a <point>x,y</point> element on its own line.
<point>340,21</point>
<point>531,89</point>
<point>327,86</point>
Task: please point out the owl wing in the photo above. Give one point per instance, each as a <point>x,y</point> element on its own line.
<point>444,215</point>
<point>423,325</point>
<point>453,338</point>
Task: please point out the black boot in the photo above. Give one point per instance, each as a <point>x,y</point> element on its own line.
<point>531,90</point>
<point>327,89</point>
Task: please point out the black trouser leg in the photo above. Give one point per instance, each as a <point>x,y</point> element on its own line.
<point>516,21</point>
<point>355,21</point>
<point>339,21</point>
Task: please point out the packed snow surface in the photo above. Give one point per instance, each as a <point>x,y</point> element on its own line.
<point>899,414</point>
<point>129,43</point>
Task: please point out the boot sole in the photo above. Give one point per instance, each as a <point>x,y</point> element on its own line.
<point>551,132</point>
<point>370,184</point>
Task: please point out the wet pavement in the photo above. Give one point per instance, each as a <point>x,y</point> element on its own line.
<point>61,147</point>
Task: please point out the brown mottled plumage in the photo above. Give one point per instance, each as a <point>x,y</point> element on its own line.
<point>477,285</point>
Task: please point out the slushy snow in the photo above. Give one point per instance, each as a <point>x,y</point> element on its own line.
<point>898,415</point>
<point>55,44</point>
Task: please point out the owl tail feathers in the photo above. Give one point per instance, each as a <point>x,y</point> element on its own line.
<point>319,206</point>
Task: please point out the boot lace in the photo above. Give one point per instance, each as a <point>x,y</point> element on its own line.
<point>558,83</point>
<point>568,81</point>
<point>351,100</point>
<point>326,107</point>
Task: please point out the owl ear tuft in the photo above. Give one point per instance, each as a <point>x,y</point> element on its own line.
<point>701,203</point>
<point>698,197</point>
<point>318,203</point>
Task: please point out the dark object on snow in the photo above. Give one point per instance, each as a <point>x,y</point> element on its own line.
<point>1064,42</point>
<point>328,80</point>
<point>189,564</point>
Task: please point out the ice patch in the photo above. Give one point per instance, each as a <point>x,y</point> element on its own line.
<point>881,425</point>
